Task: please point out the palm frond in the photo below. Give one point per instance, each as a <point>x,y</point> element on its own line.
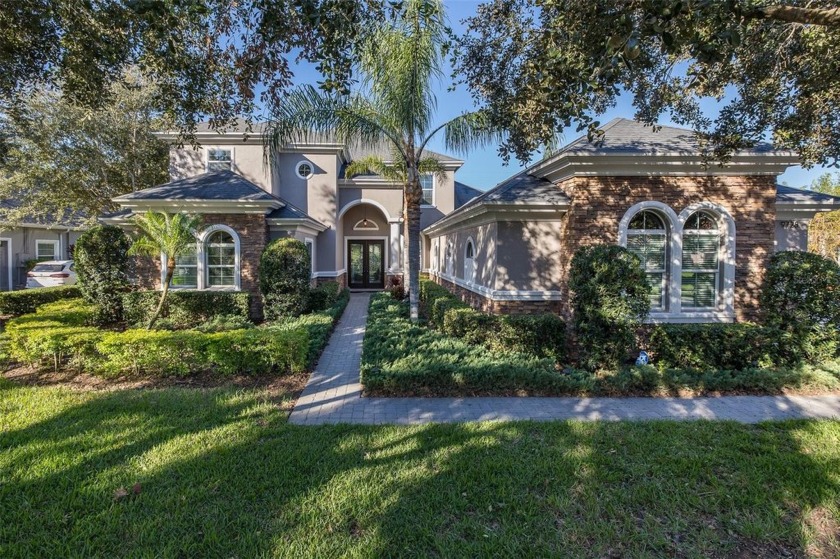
<point>308,114</point>
<point>163,233</point>
<point>394,171</point>
<point>468,131</point>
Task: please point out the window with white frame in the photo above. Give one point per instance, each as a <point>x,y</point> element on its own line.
<point>304,170</point>
<point>701,245</point>
<point>427,183</point>
<point>220,258</point>
<point>469,262</point>
<point>46,250</point>
<point>185,275</point>
<point>647,238</point>
<point>310,248</point>
<point>219,159</point>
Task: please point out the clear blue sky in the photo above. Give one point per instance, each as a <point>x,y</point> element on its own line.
<point>484,168</point>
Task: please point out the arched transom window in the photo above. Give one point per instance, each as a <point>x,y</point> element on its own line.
<point>647,238</point>
<point>469,262</point>
<point>220,257</point>
<point>701,261</point>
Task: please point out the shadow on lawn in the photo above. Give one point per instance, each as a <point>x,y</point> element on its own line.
<point>222,474</point>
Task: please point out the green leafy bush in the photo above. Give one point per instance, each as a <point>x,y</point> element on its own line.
<point>184,309</point>
<point>737,346</point>
<point>225,322</point>
<point>323,297</point>
<point>101,262</point>
<point>285,272</point>
<point>540,335</point>
<point>319,325</point>
<point>16,303</point>
<point>801,289</point>
<point>403,358</point>
<point>610,299</point>
<point>57,334</point>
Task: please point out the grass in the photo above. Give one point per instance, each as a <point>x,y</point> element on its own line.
<point>401,358</point>
<point>222,474</point>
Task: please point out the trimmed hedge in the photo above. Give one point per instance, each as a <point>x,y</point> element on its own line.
<point>102,261</point>
<point>285,272</point>
<point>16,303</point>
<point>738,346</point>
<point>185,309</point>
<point>801,290</point>
<point>401,358</point>
<point>60,333</point>
<point>540,335</point>
<point>57,333</point>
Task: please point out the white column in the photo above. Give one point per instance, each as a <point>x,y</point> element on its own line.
<point>396,245</point>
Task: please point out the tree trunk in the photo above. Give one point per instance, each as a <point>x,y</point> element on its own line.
<point>413,198</point>
<point>170,269</point>
<point>827,17</point>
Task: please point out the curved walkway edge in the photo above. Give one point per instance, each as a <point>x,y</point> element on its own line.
<point>333,395</point>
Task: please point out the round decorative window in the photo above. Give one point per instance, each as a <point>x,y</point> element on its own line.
<point>304,169</point>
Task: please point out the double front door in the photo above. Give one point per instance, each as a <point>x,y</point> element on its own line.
<point>367,264</point>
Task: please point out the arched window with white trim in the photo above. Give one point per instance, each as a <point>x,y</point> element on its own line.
<point>647,238</point>
<point>701,262</point>
<point>469,262</point>
<point>220,260</point>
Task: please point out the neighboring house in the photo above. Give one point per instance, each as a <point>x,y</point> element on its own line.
<point>33,239</point>
<point>704,233</point>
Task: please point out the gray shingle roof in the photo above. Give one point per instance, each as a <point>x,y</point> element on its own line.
<point>289,211</point>
<point>218,185</point>
<point>622,135</point>
<point>521,188</point>
<point>790,195</point>
<point>464,193</point>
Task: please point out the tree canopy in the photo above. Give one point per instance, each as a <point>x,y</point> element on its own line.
<point>208,57</point>
<point>65,159</point>
<point>542,65</point>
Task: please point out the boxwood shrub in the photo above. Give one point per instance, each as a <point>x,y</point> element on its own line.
<point>737,346</point>
<point>401,358</point>
<point>16,303</point>
<point>185,309</point>
<point>58,333</point>
<point>540,335</point>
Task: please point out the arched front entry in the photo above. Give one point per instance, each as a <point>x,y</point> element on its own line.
<point>365,239</point>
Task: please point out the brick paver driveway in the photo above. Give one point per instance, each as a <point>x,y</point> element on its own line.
<point>333,395</point>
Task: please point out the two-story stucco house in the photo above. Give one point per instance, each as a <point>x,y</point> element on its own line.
<point>352,225</point>
<point>704,232</point>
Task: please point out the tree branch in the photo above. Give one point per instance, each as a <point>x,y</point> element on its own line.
<point>828,17</point>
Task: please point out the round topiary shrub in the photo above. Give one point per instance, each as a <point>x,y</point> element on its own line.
<point>101,262</point>
<point>610,299</point>
<point>285,269</point>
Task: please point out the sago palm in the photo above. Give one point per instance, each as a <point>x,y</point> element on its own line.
<point>169,234</point>
<point>395,106</point>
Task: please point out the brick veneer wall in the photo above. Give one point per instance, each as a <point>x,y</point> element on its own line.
<point>599,203</point>
<point>485,304</point>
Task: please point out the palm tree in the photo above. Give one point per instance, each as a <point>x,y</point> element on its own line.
<point>168,234</point>
<point>394,107</point>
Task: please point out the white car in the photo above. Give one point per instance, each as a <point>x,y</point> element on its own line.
<point>51,273</point>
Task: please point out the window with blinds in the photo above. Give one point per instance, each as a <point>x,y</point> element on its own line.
<point>647,238</point>
<point>700,262</point>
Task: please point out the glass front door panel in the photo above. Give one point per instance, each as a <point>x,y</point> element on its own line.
<point>357,259</point>
<point>367,264</point>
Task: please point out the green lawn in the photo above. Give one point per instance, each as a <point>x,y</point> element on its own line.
<point>221,474</point>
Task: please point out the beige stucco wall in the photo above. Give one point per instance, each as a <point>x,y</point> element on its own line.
<point>22,241</point>
<point>484,237</point>
<point>528,256</point>
<point>248,161</point>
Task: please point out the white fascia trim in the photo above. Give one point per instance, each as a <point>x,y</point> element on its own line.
<point>202,206</point>
<point>792,212</point>
<point>670,164</point>
<point>10,226</point>
<point>497,212</point>
<point>501,294</point>
<point>334,274</point>
<point>304,225</point>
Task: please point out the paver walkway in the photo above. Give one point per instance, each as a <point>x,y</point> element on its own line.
<point>333,395</point>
